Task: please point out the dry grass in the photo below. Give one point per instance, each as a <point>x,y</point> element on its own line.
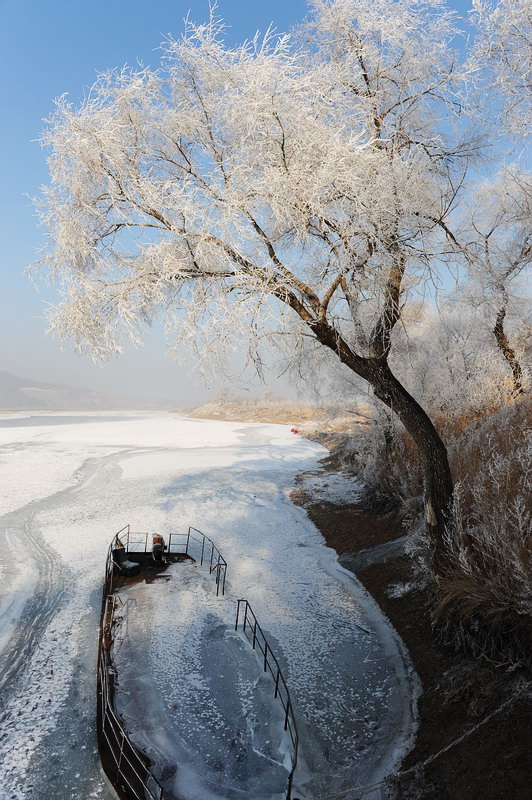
<point>236,412</point>
<point>484,601</point>
<point>485,598</point>
<point>314,419</point>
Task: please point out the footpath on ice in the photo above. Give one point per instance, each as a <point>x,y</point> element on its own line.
<point>76,479</point>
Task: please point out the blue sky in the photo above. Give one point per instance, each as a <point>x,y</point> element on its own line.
<point>48,47</point>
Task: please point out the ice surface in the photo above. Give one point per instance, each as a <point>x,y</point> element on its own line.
<point>70,486</point>
<point>193,693</point>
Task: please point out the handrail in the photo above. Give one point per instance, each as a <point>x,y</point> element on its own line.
<point>194,543</point>
<point>199,544</point>
<point>125,767</point>
<point>258,639</point>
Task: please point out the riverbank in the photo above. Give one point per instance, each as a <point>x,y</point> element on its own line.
<point>474,716</point>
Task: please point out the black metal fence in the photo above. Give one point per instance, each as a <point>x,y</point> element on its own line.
<point>193,543</point>
<point>124,765</point>
<point>203,549</point>
<point>255,635</point>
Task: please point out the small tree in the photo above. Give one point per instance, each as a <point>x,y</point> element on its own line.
<point>499,251</point>
<point>267,189</point>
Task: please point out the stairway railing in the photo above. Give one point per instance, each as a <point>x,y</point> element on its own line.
<point>255,635</point>
<point>126,767</point>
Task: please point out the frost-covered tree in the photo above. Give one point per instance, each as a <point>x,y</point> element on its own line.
<point>281,187</point>
<point>451,360</point>
<point>503,55</point>
<point>499,253</point>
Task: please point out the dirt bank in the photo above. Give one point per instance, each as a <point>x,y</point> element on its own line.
<point>475,717</point>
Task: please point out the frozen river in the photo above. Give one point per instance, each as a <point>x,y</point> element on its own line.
<point>69,482</point>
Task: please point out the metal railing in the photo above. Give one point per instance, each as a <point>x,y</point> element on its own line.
<point>255,635</point>
<point>193,543</point>
<point>127,770</point>
<point>203,550</point>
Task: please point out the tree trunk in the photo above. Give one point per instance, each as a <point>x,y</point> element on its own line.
<point>508,352</point>
<point>437,473</point>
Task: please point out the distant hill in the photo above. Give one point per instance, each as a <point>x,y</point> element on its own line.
<point>18,393</point>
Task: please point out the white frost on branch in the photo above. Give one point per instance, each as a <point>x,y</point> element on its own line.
<point>238,189</point>
<point>499,215</point>
<point>503,53</point>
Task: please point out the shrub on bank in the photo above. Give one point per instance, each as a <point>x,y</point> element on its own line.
<point>484,601</point>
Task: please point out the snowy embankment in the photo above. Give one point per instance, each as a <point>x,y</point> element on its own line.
<point>72,481</point>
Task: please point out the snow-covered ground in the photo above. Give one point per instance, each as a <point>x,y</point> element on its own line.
<point>69,482</point>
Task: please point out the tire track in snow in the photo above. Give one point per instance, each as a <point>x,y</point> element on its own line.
<point>39,608</point>
<point>36,663</point>
<point>21,537</point>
